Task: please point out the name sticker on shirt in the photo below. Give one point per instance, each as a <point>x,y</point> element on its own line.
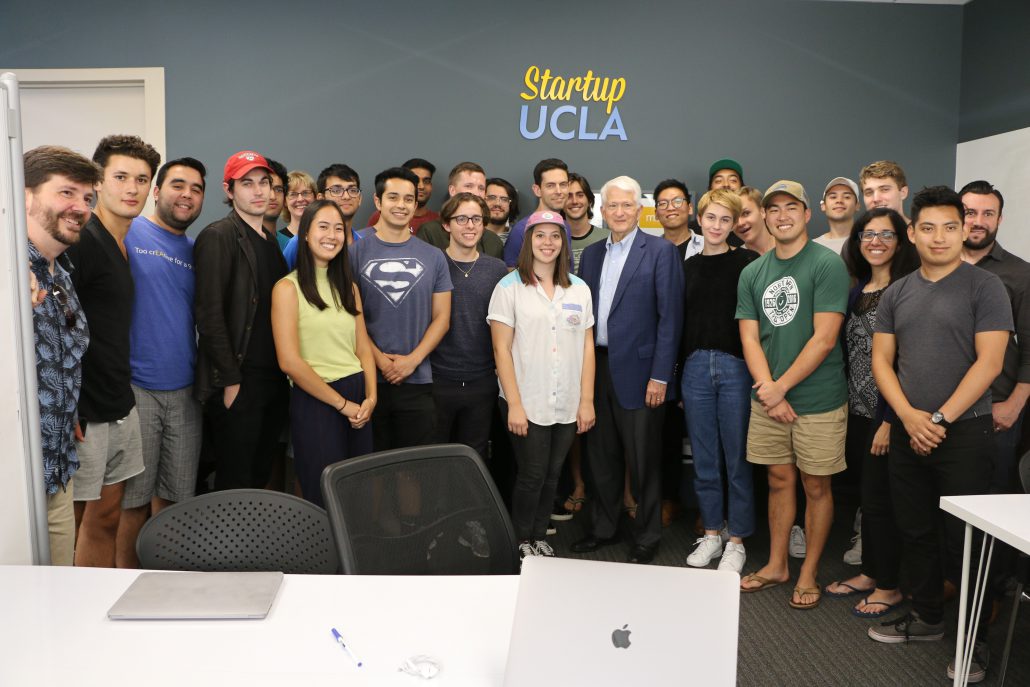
<point>572,306</point>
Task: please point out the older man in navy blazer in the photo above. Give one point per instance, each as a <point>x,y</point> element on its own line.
<point>636,281</point>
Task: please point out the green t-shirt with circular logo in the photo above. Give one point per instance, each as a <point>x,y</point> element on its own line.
<point>783,296</point>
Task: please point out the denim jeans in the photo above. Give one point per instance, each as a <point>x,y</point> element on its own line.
<point>717,402</point>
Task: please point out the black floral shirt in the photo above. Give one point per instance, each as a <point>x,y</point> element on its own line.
<point>61,337</point>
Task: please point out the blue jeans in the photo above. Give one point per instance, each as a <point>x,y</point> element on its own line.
<point>717,402</point>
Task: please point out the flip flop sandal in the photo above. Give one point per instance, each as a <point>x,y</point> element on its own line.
<point>887,608</point>
<point>763,583</point>
<point>803,591</point>
<point>841,595</point>
<point>577,504</point>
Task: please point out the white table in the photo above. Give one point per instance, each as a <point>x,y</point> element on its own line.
<point>54,630</point>
<point>999,516</point>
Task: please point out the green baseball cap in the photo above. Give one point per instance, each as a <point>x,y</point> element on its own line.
<point>725,163</point>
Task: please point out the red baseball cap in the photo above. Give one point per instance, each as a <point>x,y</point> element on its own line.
<point>239,164</point>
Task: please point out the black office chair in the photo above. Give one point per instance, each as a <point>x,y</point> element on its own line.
<point>240,530</point>
<point>425,510</point>
<point>1022,576</point>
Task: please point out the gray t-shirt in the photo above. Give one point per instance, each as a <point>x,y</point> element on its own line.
<point>466,353</point>
<point>397,282</point>
<point>935,324</point>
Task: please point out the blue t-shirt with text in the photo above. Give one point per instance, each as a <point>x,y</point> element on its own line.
<point>162,340</point>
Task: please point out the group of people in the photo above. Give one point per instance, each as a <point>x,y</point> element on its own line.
<point>876,344</point>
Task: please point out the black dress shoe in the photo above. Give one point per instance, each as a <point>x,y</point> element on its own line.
<point>642,554</point>
<point>592,543</point>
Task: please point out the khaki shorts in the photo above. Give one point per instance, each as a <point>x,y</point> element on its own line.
<point>60,515</point>
<point>815,443</point>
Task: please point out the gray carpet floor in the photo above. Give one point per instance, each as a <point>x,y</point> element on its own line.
<point>778,645</point>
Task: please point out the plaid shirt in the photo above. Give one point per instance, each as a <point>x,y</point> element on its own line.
<point>61,337</point>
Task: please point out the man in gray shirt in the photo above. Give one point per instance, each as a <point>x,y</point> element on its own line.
<point>946,327</point>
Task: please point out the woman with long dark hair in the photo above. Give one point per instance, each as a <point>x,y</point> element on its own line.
<point>323,346</point>
<point>877,253</point>
<point>541,321</point>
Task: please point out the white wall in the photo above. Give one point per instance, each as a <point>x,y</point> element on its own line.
<point>1003,160</point>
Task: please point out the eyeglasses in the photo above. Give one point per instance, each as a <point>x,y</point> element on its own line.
<point>498,199</point>
<point>462,220</point>
<point>62,300</point>
<point>670,202</point>
<point>885,236</point>
<point>306,195</point>
<point>344,191</point>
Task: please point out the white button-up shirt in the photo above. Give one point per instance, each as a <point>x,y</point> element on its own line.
<point>615,255</point>
<point>547,347</point>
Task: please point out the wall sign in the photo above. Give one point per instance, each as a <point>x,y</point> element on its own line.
<point>567,121</point>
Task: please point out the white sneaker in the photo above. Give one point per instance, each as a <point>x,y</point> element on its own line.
<point>733,557</point>
<point>708,547</point>
<point>798,546</point>
<point>543,548</point>
<point>853,556</point>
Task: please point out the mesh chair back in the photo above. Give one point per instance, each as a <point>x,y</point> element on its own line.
<point>425,510</point>
<point>239,530</point>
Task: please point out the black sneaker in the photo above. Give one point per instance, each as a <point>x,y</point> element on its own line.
<point>543,548</point>
<point>526,548</point>
<point>977,667</point>
<point>908,628</point>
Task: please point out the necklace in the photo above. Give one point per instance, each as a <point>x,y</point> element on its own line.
<point>464,273</point>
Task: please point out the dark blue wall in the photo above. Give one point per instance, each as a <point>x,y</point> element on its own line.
<point>995,68</point>
<point>804,90</point>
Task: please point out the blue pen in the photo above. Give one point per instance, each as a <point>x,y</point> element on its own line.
<point>339,640</point>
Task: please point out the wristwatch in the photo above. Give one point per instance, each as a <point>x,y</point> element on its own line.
<point>938,419</point>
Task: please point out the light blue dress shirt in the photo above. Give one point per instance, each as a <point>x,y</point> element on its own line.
<point>611,269</point>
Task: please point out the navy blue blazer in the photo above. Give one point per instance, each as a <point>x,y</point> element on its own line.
<point>646,316</point>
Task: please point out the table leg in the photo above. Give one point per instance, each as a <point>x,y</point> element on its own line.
<point>967,545</point>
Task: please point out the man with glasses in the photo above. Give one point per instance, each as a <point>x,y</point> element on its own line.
<point>637,283</point>
<point>465,177</point>
<point>503,200</point>
<point>579,210</point>
<point>551,186</point>
<point>342,185</point>
<point>672,209</point>
<point>424,170</point>
<point>58,196</point>
<point>245,394</point>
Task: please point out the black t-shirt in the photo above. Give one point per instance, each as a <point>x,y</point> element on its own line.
<point>710,302</point>
<point>104,285</point>
<point>270,269</point>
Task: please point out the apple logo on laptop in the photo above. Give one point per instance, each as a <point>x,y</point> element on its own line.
<point>620,638</point>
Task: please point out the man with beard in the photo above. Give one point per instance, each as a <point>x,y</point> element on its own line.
<point>503,200</point>
<point>109,448</point>
<point>276,200</point>
<point>163,351</point>
<point>58,195</point>
<point>579,210</point>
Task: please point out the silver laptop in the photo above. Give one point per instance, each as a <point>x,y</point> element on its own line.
<point>197,596</point>
<point>594,623</point>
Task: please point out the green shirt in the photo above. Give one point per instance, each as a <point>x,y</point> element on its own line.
<point>783,296</point>
<point>580,242</point>
<point>327,337</point>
